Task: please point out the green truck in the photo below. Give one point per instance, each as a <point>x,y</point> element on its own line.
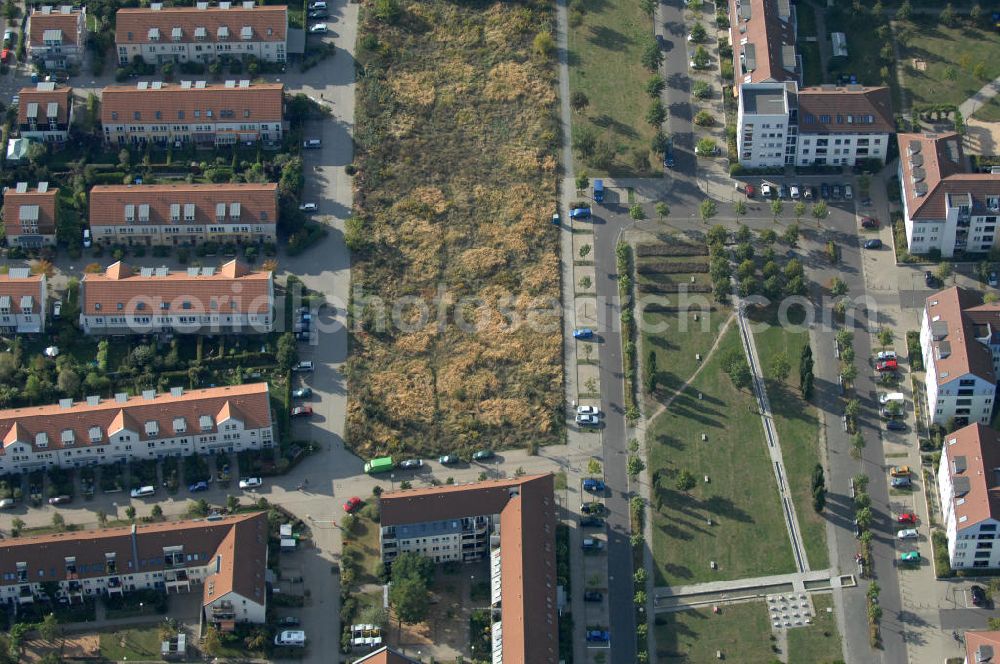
<point>379,465</point>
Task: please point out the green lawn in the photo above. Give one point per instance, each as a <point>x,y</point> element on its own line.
<point>818,643</point>
<point>680,338</point>
<point>989,112</point>
<point>364,540</point>
<point>953,57</point>
<point>605,51</point>
<point>812,66</point>
<point>863,46</point>
<point>748,536</point>
<point>135,644</point>
<point>741,631</point>
<point>798,429</point>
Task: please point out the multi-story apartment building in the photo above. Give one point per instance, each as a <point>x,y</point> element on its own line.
<point>225,558</point>
<point>762,33</point>
<point>199,112</point>
<point>511,521</point>
<point>57,36</point>
<point>149,426</point>
<point>946,209</point>
<point>765,122</point>
<point>44,113</point>
<point>184,214</point>
<point>23,300</point>
<point>960,338</point>
<point>969,486</point>
<point>199,300</point>
<point>201,33</point>
<point>29,215</point>
<point>982,647</point>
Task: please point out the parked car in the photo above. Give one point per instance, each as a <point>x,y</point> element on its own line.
<point>901,483</point>
<point>795,192</point>
<point>87,241</point>
<point>411,464</point>
<point>289,621</point>
<point>594,485</point>
<point>857,529</point>
<point>783,191</point>
<point>910,557</point>
<point>591,544</point>
<point>198,486</point>
<point>886,397</point>
<point>929,279</point>
<point>59,500</point>
<point>890,413</point>
<point>318,4</point>
<point>483,455</point>
<point>906,517</point>
<point>766,190</point>
<point>661,42</point>
<point>836,191</point>
<point>6,503</point>
<point>668,155</point>
<point>295,638</point>
<point>318,28</point>
<point>895,425</point>
<point>580,213</point>
<point>588,420</point>
<point>887,365</point>
<point>251,482</point>
<point>809,193</point>
<point>302,411</point>
<point>318,13</point>
<point>352,504</point>
<point>592,508</point>
<point>869,222</point>
<point>593,596</point>
<point>598,636</point>
<point>591,522</point>
<point>57,309</point>
<point>309,207</point>
<point>824,190</point>
<point>583,333</point>
<point>556,219</point>
<point>448,460</point>
<point>874,243</point>
<point>978,594</point>
<point>907,533</point>
<point>884,356</point>
<point>312,143</point>
<point>750,191</point>
<point>848,192</point>
<point>304,365</point>
<point>588,410</point>
<point>302,393</point>
<point>899,471</point>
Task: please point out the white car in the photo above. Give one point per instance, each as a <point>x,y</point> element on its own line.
<point>318,28</point>
<point>886,397</point>
<point>57,309</point>
<point>309,207</point>
<point>884,355</point>
<point>588,410</point>
<point>909,533</point>
<point>587,419</point>
<point>251,482</point>
<point>291,637</point>
<point>766,190</point>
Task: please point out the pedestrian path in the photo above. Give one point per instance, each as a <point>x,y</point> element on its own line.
<point>679,598</point>
<point>978,100</point>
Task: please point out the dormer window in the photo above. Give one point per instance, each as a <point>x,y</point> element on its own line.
<point>68,437</point>
<point>246,33</point>
<point>205,422</point>
<point>154,34</point>
<point>95,434</point>
<point>41,439</point>
<point>152,428</point>
<point>175,212</point>
<point>200,33</point>
<point>176,34</point>
<point>180,425</point>
<point>993,202</point>
<point>222,33</point>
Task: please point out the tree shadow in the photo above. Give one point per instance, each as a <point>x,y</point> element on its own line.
<point>608,38</point>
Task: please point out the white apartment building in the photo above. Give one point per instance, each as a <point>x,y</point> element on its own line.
<point>201,33</point>
<point>969,486</point>
<point>57,36</point>
<point>184,214</point>
<point>960,339</point>
<point>224,558</point>
<point>194,111</point>
<point>149,426</point>
<point>23,300</point>
<point>230,300</point>
<point>945,207</point>
<point>764,121</point>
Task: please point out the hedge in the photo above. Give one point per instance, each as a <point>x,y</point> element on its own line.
<point>676,249</point>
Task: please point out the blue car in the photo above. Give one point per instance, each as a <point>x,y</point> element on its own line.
<point>598,635</point>
<point>900,482</point>
<point>873,244</point>
<point>895,425</point>
<point>593,486</point>
<point>668,155</point>
<point>198,486</point>
<point>579,213</point>
<point>583,333</point>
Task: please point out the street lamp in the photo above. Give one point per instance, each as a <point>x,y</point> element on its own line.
<point>392,481</point>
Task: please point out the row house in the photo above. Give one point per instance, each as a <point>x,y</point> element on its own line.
<point>969,485</point>
<point>57,36</point>
<point>946,208</point>
<point>45,112</point>
<point>509,522</point>
<point>193,111</point>
<point>981,647</point>
<point>29,215</point>
<point>960,338</point>
<point>225,559</point>
<point>184,214</point>
<point>125,428</point>
<point>23,300</point>
<point>198,300</point>
<point>202,33</point>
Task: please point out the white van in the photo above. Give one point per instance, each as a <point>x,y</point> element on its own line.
<point>86,238</point>
<point>6,503</point>
<point>143,491</point>
<point>291,637</point>
<point>890,397</point>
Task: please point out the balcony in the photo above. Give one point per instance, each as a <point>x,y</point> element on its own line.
<point>25,596</point>
<point>222,611</point>
<point>177,580</point>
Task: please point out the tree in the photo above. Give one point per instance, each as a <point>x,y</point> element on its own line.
<point>636,212</point>
<point>864,517</point>
<point>777,206</point>
<point>820,210</point>
<point>656,114</point>
<point>849,373</point>
<point>652,56</point>
<point>707,209</point>
<point>857,445</point>
<point>701,57</point>
<point>649,373</point>
<point>212,641</point>
<point>944,270</point>
<point>130,513</point>
<point>662,210</point>
<point>904,12</point>
<point>49,628</point>
<point>640,598</point>
<point>735,366</point>
<point>704,119</point>
<point>634,465</point>
<point>58,522</point>
<point>717,234</point>
<point>68,381</point>
<point>740,208</point>
<point>885,337</point>
<point>701,90</point>
<point>706,147</point>
<point>976,15</point>
<point>780,367</point>
<point>157,512</point>
<point>544,45</point>
<point>686,481</point>
<point>579,101</point>
<point>102,517</point>
<point>594,467</point>
<point>947,15</point>
<point>819,498</point>
<point>852,409</point>
<point>288,351</point>
<point>655,85</point>
<point>800,209</point>
<point>698,32</point>
<point>409,598</point>
<point>409,564</point>
<point>232,503</point>
<point>838,287</point>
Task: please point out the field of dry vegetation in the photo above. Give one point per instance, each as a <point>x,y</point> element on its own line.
<point>457,132</point>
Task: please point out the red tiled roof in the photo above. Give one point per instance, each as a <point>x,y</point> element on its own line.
<point>269,23</point>
<point>248,403</point>
<point>385,656</point>
<point>258,203</point>
<point>61,96</point>
<point>17,287</point>
<point>39,22</point>
<point>963,355</point>
<point>980,447</point>
<point>233,289</point>
<point>981,643</point>
<point>854,109</point>
<point>45,555</point>
<point>46,202</point>
<point>767,36</point>
<point>260,102</point>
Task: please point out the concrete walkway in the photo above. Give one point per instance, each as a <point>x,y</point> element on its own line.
<point>678,598</point>
<point>982,97</point>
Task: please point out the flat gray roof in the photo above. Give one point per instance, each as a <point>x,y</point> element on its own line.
<point>763,102</point>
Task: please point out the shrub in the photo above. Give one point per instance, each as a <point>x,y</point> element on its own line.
<point>704,119</point>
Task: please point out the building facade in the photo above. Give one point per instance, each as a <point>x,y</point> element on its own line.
<point>184,214</point>
<point>193,112</point>
<point>45,113</point>
<point>510,521</point>
<point>202,33</point>
<point>946,209</point>
<point>225,559</point>
<point>960,340</point>
<point>969,486</point>
<point>23,302</point>
<point>30,215</point>
<point>57,36</point>
<point>230,300</point>
<point>150,426</point>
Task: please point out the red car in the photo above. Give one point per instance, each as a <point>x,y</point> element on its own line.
<point>907,517</point>
<point>751,192</point>
<point>888,365</point>
<point>352,504</point>
<point>302,411</point>
<point>869,222</point>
